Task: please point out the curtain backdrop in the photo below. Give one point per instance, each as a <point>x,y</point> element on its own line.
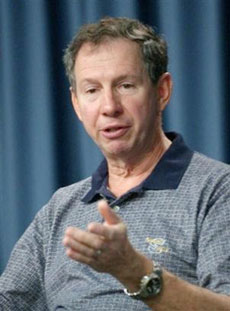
<point>42,144</point>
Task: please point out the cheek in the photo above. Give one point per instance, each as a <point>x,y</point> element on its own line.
<point>146,116</point>
<point>142,111</point>
<point>89,117</point>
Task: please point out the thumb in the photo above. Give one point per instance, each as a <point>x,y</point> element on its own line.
<point>108,214</point>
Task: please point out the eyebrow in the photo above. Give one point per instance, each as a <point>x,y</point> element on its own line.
<point>88,80</point>
<point>127,76</point>
<point>116,80</point>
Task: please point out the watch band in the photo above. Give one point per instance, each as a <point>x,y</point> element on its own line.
<point>150,285</point>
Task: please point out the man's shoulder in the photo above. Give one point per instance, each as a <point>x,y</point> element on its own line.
<point>64,199</point>
<point>205,163</point>
<point>205,170</point>
<point>74,191</point>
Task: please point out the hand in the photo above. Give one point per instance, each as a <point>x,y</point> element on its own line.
<point>117,255</point>
<point>109,238</point>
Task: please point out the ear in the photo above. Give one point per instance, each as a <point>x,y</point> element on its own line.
<point>75,103</point>
<point>164,90</point>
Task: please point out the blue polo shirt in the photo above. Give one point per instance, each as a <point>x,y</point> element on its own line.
<point>179,217</point>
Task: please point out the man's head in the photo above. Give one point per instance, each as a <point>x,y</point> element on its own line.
<point>119,85</point>
<point>153,48</point>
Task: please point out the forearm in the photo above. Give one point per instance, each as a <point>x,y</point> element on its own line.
<point>177,295</point>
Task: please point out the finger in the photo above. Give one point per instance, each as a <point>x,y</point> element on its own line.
<point>84,237</point>
<point>108,214</point>
<point>79,257</point>
<point>107,232</point>
<point>80,248</point>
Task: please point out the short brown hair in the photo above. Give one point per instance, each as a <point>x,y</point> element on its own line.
<point>152,46</point>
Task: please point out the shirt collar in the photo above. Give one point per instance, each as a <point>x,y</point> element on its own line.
<point>166,175</point>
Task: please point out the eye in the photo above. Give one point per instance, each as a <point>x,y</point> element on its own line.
<point>91,91</point>
<point>127,85</point>
<point>127,88</point>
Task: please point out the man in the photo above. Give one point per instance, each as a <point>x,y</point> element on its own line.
<point>159,239</point>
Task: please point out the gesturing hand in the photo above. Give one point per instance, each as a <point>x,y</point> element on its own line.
<point>105,247</point>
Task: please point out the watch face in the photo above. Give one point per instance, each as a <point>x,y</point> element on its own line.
<point>153,286</point>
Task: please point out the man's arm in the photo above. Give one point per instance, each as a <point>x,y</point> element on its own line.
<point>21,282</point>
<point>117,257</point>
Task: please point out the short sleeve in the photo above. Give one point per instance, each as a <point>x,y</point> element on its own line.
<point>213,268</point>
<point>21,284</point>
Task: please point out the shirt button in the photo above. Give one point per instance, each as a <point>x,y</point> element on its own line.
<point>116,208</point>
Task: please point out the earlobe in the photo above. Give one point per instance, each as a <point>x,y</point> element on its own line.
<point>75,103</point>
<point>164,87</point>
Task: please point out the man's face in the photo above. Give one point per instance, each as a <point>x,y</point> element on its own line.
<point>115,99</point>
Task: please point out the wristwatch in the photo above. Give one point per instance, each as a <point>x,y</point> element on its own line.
<point>150,285</point>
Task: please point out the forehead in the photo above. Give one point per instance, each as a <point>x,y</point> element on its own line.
<point>109,44</point>
<point>109,55</point>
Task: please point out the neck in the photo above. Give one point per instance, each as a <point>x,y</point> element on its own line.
<point>128,173</point>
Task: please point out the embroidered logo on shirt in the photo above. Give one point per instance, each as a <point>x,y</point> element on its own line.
<point>157,245</point>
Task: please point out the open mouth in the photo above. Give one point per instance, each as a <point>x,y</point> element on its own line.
<point>113,129</point>
<point>114,132</point>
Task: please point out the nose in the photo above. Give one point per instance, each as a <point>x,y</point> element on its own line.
<point>111,104</point>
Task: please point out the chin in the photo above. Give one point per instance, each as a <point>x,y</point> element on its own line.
<point>116,151</point>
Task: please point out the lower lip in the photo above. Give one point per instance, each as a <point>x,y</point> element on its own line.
<point>115,134</point>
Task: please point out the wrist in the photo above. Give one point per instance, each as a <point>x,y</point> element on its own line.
<point>150,285</point>
<point>137,267</point>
